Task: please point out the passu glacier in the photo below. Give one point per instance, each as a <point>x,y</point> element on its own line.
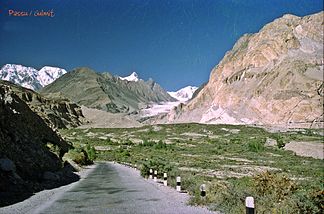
<point>183,95</point>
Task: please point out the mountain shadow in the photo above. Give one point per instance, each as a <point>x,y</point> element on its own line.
<point>30,151</point>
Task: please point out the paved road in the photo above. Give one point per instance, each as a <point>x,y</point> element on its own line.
<point>113,188</point>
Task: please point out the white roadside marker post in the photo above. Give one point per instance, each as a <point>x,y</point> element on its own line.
<point>165,179</point>
<point>179,184</point>
<point>203,191</point>
<point>151,174</point>
<point>249,203</point>
<point>155,175</point>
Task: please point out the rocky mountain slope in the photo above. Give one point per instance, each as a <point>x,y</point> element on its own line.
<point>273,77</point>
<point>183,94</point>
<point>57,113</point>
<point>29,77</point>
<point>106,92</point>
<point>30,151</point>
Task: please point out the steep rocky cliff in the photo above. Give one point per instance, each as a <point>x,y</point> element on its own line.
<point>273,77</point>
<point>57,113</point>
<point>30,151</point>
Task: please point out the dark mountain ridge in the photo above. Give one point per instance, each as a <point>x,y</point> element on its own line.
<point>106,92</point>
<point>30,151</point>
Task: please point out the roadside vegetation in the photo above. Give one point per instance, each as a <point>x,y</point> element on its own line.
<point>82,155</point>
<point>233,161</point>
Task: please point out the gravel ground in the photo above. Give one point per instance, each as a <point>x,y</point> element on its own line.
<point>109,188</point>
<point>103,119</point>
<point>43,198</point>
<point>307,149</point>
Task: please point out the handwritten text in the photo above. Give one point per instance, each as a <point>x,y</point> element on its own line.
<point>37,13</point>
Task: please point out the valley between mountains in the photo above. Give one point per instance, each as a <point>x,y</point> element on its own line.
<point>255,128</point>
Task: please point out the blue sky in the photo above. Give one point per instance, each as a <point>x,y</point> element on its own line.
<point>175,42</point>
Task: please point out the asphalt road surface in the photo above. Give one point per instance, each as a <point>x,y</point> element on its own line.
<point>113,188</point>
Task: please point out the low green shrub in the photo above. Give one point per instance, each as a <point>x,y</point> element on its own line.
<point>53,148</point>
<point>273,193</point>
<point>235,140</point>
<point>308,201</point>
<point>191,183</point>
<point>111,142</point>
<point>122,155</point>
<point>225,196</point>
<point>82,155</point>
<point>127,142</point>
<point>159,145</point>
<point>256,145</point>
<point>162,145</point>
<point>159,164</point>
<point>280,140</point>
<point>91,152</point>
<point>79,156</point>
<point>147,143</point>
<point>278,185</point>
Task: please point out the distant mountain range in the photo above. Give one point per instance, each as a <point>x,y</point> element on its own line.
<point>107,92</point>
<point>182,95</point>
<point>128,93</point>
<point>29,77</point>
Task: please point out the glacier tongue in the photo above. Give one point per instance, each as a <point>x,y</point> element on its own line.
<point>182,95</point>
<point>158,108</point>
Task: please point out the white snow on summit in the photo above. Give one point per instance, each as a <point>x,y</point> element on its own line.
<point>48,74</point>
<point>29,77</point>
<point>131,78</point>
<point>184,94</point>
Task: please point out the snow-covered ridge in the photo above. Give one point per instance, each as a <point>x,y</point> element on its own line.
<point>29,77</point>
<point>131,78</point>
<point>184,94</point>
<point>48,74</point>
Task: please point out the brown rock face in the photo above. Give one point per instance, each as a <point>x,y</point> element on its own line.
<point>273,77</point>
<point>30,151</point>
<point>57,113</point>
<point>24,138</point>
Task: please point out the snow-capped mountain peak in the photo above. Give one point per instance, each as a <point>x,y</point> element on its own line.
<point>29,77</point>
<point>184,94</point>
<point>48,74</point>
<point>133,77</point>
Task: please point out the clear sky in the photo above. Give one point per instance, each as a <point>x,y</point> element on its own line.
<point>175,42</point>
